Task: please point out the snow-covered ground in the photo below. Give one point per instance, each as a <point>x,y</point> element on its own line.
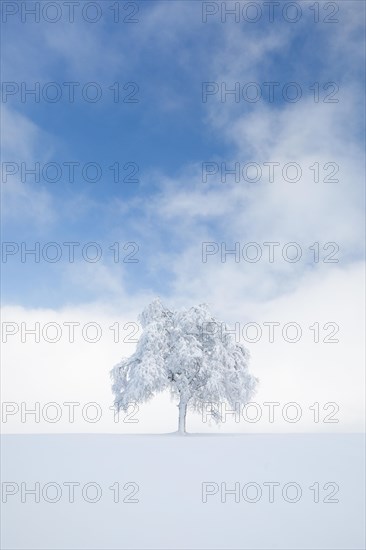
<point>160,483</point>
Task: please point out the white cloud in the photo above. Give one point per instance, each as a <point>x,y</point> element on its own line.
<point>304,372</point>
<point>24,142</point>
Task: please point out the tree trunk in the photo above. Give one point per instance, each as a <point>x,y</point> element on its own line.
<point>182,416</point>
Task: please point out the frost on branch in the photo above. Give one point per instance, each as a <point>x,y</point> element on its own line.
<point>188,353</point>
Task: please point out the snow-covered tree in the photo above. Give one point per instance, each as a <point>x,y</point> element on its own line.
<point>187,353</point>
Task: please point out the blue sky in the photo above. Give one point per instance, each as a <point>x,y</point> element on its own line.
<point>170,211</point>
<point>168,133</point>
